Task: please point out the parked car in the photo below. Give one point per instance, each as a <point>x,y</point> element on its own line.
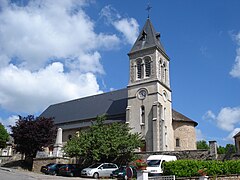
<point>99,170</point>
<point>155,163</point>
<point>121,173</point>
<point>51,168</point>
<point>70,170</point>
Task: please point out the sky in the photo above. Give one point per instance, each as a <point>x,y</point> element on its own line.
<point>52,52</point>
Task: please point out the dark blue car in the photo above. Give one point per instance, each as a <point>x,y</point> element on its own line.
<point>52,169</point>
<point>70,170</point>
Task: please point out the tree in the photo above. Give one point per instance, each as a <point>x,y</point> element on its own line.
<point>4,136</point>
<point>31,134</point>
<point>221,150</point>
<point>229,148</point>
<point>104,143</point>
<point>202,145</point>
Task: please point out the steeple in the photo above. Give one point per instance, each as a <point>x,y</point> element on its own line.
<point>147,38</point>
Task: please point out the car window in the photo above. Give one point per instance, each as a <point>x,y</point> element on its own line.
<point>105,166</point>
<point>153,163</point>
<point>95,165</point>
<point>112,166</point>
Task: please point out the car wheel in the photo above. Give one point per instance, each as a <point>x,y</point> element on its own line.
<point>95,175</point>
<point>71,174</point>
<point>54,173</point>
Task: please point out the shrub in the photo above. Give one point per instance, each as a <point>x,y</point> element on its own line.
<point>189,168</point>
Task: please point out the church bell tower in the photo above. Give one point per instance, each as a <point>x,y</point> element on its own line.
<point>149,109</point>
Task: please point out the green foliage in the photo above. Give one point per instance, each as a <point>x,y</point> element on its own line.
<point>221,150</point>
<point>202,145</point>
<point>190,168</point>
<point>103,142</point>
<point>31,134</point>
<point>229,148</point>
<point>4,136</point>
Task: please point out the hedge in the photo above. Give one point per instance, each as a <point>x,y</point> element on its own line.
<point>190,168</point>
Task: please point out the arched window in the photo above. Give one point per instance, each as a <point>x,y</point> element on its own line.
<point>177,142</point>
<point>159,68</point>
<point>139,69</point>
<point>147,67</point>
<point>142,115</point>
<point>163,71</point>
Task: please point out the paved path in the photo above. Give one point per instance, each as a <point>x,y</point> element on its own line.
<point>14,174</point>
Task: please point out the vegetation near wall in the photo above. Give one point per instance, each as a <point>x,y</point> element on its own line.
<point>104,143</point>
<point>190,168</point>
<point>31,134</point>
<point>3,136</point>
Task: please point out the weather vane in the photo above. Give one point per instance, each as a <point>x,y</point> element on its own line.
<point>148,9</point>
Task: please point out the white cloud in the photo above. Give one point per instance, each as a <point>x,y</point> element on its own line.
<point>209,115</point>
<point>227,119</point>
<point>235,72</point>
<point>127,26</point>
<point>45,29</point>
<point>49,52</point>
<point>26,91</point>
<point>199,134</point>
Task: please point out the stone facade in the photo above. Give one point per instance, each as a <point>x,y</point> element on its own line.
<point>237,142</point>
<point>184,135</point>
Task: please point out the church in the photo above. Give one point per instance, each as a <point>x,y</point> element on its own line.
<point>145,104</point>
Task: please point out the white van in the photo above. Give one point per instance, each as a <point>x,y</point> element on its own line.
<point>155,163</point>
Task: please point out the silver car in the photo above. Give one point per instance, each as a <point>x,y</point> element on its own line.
<point>99,170</point>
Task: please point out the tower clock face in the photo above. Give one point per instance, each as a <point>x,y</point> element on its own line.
<point>142,94</point>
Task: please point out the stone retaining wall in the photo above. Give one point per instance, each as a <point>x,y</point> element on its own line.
<point>39,162</point>
<point>190,154</point>
<point>187,154</point>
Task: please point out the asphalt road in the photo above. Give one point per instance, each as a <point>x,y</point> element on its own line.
<point>13,174</point>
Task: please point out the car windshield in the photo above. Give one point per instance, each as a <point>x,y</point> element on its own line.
<point>95,165</point>
<point>153,163</point>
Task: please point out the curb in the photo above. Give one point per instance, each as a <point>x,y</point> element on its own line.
<point>5,169</point>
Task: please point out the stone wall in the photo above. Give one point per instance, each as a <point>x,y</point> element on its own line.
<point>185,133</point>
<point>187,154</point>
<point>39,162</point>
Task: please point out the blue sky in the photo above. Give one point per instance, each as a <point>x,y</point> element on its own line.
<point>50,53</point>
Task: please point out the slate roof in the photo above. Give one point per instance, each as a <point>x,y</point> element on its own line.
<point>147,38</point>
<point>176,116</point>
<point>88,108</point>
<point>112,103</point>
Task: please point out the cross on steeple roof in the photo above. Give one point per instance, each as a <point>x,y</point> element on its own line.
<point>148,9</point>
<point>147,38</point>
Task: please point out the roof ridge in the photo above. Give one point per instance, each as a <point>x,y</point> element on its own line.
<point>90,96</point>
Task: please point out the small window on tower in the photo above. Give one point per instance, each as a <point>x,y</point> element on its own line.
<point>177,142</point>
<point>148,67</point>
<point>142,115</point>
<point>139,69</point>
